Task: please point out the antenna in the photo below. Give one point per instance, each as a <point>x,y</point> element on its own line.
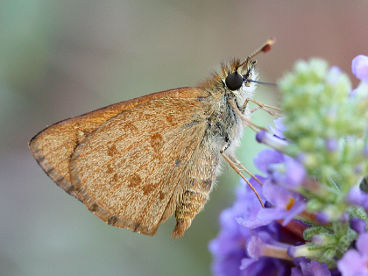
<point>264,48</point>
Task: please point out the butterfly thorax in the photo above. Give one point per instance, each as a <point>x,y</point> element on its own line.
<point>225,125</point>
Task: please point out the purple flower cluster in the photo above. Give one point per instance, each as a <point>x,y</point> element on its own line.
<point>231,257</point>
<point>267,241</point>
<point>277,189</point>
<point>262,248</point>
<point>255,240</point>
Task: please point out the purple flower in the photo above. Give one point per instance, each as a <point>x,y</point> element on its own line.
<point>279,128</point>
<point>285,206</point>
<point>365,151</point>
<point>270,140</point>
<point>264,266</point>
<point>358,225</point>
<point>333,75</point>
<point>360,70</point>
<point>355,261</point>
<point>283,174</point>
<point>309,268</point>
<point>281,169</point>
<point>360,67</point>
<point>252,213</point>
<point>266,158</point>
<point>266,254</point>
<point>270,241</point>
<point>262,244</point>
<point>323,217</point>
<point>357,197</point>
<point>331,144</point>
<point>293,176</point>
<point>229,248</point>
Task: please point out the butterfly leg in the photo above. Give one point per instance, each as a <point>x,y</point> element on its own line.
<point>239,164</point>
<point>272,110</point>
<point>236,169</point>
<point>246,121</point>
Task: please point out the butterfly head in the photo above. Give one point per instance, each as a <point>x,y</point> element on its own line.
<point>234,79</point>
<point>239,76</point>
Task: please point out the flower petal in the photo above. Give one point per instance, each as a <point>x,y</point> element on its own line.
<point>352,264</point>
<point>267,157</point>
<point>360,67</point>
<point>279,128</point>
<point>362,245</point>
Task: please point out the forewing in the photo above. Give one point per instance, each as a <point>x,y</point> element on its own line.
<point>128,169</point>
<point>53,146</point>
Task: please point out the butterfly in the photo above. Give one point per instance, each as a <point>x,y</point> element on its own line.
<point>136,163</point>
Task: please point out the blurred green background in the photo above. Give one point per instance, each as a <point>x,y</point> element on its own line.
<point>63,58</point>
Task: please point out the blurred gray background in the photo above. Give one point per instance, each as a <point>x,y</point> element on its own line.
<point>63,58</point>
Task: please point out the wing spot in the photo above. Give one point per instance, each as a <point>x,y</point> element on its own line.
<point>115,177</point>
<point>134,180</point>
<point>129,126</point>
<point>192,123</point>
<point>112,151</point>
<point>170,119</point>
<point>70,189</point>
<point>161,195</point>
<point>59,179</point>
<point>112,220</point>
<point>136,226</point>
<point>94,207</point>
<point>49,170</point>
<point>40,158</point>
<point>109,169</point>
<point>156,142</point>
<point>148,188</point>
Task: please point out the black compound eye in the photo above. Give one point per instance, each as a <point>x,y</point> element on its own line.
<point>234,81</point>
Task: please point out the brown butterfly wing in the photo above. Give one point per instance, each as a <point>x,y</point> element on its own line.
<point>53,146</point>
<point>128,170</point>
<point>126,157</point>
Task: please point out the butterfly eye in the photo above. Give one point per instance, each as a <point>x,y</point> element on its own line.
<point>234,81</point>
